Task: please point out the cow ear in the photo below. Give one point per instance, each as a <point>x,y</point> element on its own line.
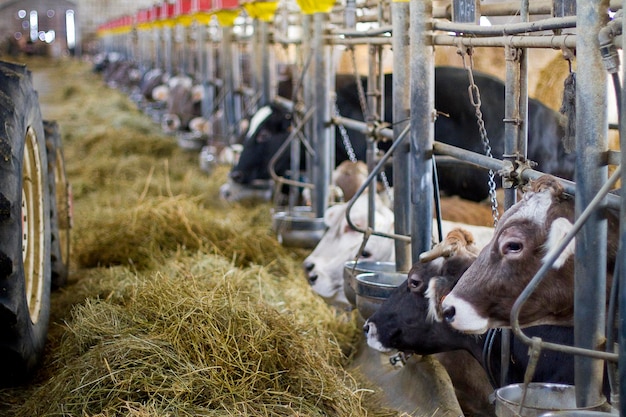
<point>332,214</point>
<point>558,229</point>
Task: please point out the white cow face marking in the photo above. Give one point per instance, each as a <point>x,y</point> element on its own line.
<point>372,338</point>
<point>466,318</point>
<point>559,228</point>
<point>255,122</point>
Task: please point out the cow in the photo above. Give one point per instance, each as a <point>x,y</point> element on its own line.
<point>485,294</point>
<point>456,125</point>
<point>406,322</point>
<point>184,102</point>
<point>340,244</point>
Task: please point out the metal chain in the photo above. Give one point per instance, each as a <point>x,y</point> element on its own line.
<point>366,116</point>
<point>474,96</point>
<point>345,139</point>
<point>359,87</point>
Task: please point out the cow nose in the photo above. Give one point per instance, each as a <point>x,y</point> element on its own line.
<point>449,313</point>
<point>308,266</point>
<point>237,176</point>
<point>312,278</point>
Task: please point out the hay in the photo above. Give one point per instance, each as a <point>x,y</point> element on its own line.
<point>178,303</point>
<point>206,340</point>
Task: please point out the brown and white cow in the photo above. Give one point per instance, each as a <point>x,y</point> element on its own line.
<point>183,99</point>
<point>340,244</point>
<point>405,322</point>
<point>485,294</point>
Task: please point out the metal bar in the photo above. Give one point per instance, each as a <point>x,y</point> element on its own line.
<point>401,105</point>
<point>591,142</point>
<point>509,28</point>
<point>621,252</point>
<point>321,133</point>
<point>422,126</point>
<point>517,41</point>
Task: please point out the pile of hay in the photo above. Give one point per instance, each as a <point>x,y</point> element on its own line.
<point>178,303</point>
<point>200,337</point>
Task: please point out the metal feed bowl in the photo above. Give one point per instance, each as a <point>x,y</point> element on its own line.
<point>373,288</point>
<point>298,228</point>
<point>541,398</point>
<point>353,268</point>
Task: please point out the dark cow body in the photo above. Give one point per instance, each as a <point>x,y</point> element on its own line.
<point>405,322</point>
<point>260,146</point>
<point>456,126</point>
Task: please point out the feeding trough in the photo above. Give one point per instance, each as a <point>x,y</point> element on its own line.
<point>540,399</point>
<point>298,227</point>
<point>373,288</point>
<point>353,268</point>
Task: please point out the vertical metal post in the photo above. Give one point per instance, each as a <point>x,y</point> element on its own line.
<point>227,77</point>
<point>205,60</point>
<point>622,247</point>
<point>422,126</point>
<point>401,104</point>
<point>322,132</point>
<point>266,73</point>
<point>591,145</point>
<point>308,87</point>
<point>167,48</point>
<point>237,86</point>
<point>373,99</point>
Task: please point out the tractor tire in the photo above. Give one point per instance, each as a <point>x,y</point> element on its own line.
<point>25,274</point>
<point>60,206</point>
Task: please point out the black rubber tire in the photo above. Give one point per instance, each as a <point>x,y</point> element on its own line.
<point>60,206</point>
<point>25,276</point>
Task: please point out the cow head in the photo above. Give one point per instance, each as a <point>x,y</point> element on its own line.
<point>340,243</point>
<point>267,131</point>
<point>405,321</point>
<point>484,296</point>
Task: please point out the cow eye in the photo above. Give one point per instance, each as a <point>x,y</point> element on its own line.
<point>512,247</point>
<point>366,254</point>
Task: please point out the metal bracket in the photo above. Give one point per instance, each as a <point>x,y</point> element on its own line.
<point>512,174</point>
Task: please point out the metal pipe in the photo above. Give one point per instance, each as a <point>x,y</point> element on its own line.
<point>621,252</point>
<point>591,142</point>
<point>553,23</point>
<point>422,125</point>
<point>321,132</point>
<point>401,104</point>
<point>517,41</point>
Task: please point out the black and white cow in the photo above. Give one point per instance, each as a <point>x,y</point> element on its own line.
<point>456,125</point>
<point>406,321</point>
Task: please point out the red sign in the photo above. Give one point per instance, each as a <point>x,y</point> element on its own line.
<point>182,7</point>
<point>225,4</point>
<point>201,5</point>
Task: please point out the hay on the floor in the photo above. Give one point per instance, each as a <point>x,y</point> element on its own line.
<point>197,343</point>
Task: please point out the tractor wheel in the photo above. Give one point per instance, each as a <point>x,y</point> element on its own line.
<point>60,206</point>
<point>25,276</point>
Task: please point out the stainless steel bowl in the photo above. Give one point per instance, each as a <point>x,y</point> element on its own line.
<point>373,288</point>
